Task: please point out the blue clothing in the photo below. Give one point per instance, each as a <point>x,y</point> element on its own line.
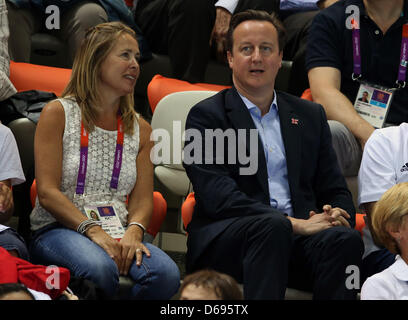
<point>376,262</point>
<point>290,7</point>
<point>298,5</point>
<point>270,132</point>
<point>11,240</point>
<point>158,277</point>
<point>115,9</point>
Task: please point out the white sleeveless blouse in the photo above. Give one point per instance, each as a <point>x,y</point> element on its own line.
<point>101,151</point>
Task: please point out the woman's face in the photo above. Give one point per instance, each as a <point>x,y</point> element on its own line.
<point>120,70</point>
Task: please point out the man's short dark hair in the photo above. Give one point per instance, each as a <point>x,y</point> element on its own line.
<point>258,15</point>
<point>224,286</point>
<point>7,288</point>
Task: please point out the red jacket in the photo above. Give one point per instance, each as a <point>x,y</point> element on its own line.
<point>33,276</point>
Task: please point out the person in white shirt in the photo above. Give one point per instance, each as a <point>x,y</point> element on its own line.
<point>389,220</point>
<point>11,173</point>
<point>384,164</point>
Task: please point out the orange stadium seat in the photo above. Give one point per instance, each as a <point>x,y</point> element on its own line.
<point>160,86</point>
<point>27,76</point>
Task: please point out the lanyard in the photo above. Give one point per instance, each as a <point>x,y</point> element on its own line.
<point>84,158</point>
<point>402,69</point>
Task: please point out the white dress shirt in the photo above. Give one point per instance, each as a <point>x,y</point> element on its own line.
<point>230,5</point>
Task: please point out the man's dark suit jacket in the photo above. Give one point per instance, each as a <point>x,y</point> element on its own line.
<point>223,195</point>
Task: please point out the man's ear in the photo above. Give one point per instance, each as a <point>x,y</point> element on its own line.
<point>230,59</point>
<point>281,57</point>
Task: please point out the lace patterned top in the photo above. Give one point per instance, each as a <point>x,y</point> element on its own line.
<point>101,152</point>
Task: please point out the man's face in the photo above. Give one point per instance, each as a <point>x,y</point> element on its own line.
<point>255,58</point>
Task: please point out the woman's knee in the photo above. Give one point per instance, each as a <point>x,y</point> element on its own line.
<point>157,278</point>
<point>102,271</point>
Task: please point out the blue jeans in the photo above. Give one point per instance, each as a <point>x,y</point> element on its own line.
<point>11,240</point>
<point>158,277</point>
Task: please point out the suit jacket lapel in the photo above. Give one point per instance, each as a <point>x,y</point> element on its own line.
<point>291,135</point>
<point>241,118</point>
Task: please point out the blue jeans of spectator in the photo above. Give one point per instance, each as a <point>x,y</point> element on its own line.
<point>11,240</point>
<point>158,277</point>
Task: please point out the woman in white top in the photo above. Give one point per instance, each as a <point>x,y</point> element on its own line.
<point>390,224</point>
<point>92,151</point>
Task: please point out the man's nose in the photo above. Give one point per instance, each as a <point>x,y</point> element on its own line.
<point>256,55</point>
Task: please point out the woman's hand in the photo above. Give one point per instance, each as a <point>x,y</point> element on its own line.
<point>132,247</point>
<point>106,242</point>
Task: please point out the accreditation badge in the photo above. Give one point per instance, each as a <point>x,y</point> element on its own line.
<point>373,102</point>
<point>106,214</point>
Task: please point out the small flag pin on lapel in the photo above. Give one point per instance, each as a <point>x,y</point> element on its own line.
<point>295,121</point>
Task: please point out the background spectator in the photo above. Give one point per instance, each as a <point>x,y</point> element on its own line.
<point>28,17</point>
<point>186,29</point>
<point>330,65</point>
<point>6,87</point>
<point>11,173</point>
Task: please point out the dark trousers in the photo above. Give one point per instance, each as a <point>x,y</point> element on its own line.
<point>261,252</point>
<point>182,29</point>
<point>297,32</point>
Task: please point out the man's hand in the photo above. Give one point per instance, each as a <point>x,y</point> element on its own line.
<point>338,215</point>
<point>316,223</point>
<point>330,217</point>
<point>6,197</point>
<point>219,33</point>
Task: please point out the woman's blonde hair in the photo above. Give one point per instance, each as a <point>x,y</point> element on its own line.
<point>389,213</point>
<point>83,85</point>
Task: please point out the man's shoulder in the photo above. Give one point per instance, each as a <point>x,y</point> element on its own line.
<point>339,9</point>
<point>335,16</point>
<point>215,103</point>
<point>210,108</point>
<point>390,135</point>
<point>297,103</point>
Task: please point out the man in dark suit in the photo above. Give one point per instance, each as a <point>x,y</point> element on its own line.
<point>289,223</point>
